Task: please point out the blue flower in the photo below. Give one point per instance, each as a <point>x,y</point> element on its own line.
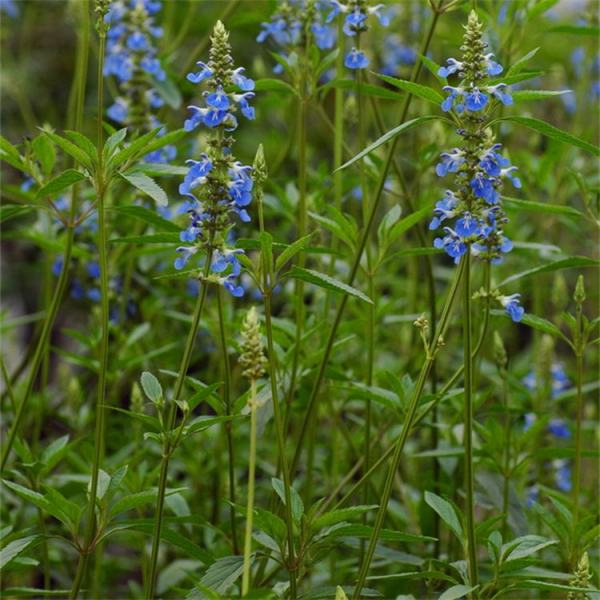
<point>218,99</point>
<point>324,35</point>
<point>483,187</point>
<point>493,68</point>
<point>512,307</point>
<point>444,209</point>
<point>204,73</point>
<point>450,162</point>
<point>356,59</point>
<point>562,475</point>
<point>467,225</point>
<point>475,100</point>
<point>500,93</point>
<point>453,66</point>
<point>452,244</point>
<point>559,428</point>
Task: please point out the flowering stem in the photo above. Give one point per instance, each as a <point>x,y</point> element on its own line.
<point>170,423</point>
<point>227,425</point>
<point>312,402</point>
<point>431,352</point>
<point>468,431</point>
<point>250,502</point>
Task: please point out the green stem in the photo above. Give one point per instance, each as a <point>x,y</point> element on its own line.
<point>277,419</point>
<point>168,451</point>
<point>468,431</point>
<point>314,396</point>
<point>250,502</point>
<point>100,185</point>
<point>406,428</point>
<point>578,437</point>
<point>506,466</point>
<point>302,216</point>
<point>439,396</point>
<point>228,426</point>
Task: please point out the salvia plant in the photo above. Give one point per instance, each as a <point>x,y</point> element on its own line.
<point>294,305</point>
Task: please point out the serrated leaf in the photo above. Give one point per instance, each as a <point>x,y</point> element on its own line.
<point>416,89</point>
<point>134,149</point>
<point>386,137</point>
<point>72,149</point>
<point>147,185</point>
<point>82,142</point>
<point>44,152</point>
<point>446,512</point>
<point>552,132</point>
<point>58,184</point>
<point>327,282</point>
<point>112,143</point>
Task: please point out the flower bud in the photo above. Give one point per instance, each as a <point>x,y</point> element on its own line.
<point>252,359</point>
<point>579,295</point>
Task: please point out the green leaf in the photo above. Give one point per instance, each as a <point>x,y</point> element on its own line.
<point>297,504</point>
<point>409,221</point>
<point>147,185</point>
<point>112,143</point>
<point>386,137</point>
<point>365,89</point>
<point>153,238</point>
<point>416,89</point>
<point>342,514</point>
<point>457,591</point>
<point>11,211</point>
<point>433,68</point>
<point>54,452</point>
<point>203,423</point>
<point>274,85</point>
<point>168,91</point>
<point>72,149</point>
<point>163,140</point>
<point>365,531</point>
<point>536,322</point>
<point>223,573</point>
<point>15,548</point>
<point>266,250</point>
<point>151,387</point>
<point>327,282</point>
<point>526,95</point>
<point>149,216</point>
<point>552,132</point>
<point>132,501</point>
<point>136,147</point>
<point>58,184</point>
<point>541,207</point>
<point>150,422</point>
<point>45,153</point>
<point>576,30</point>
<point>446,512</point>
<point>291,251</point>
<point>84,143</point>
<point>524,546</point>
<point>574,262</point>
<point>539,8</point>
<point>517,67</point>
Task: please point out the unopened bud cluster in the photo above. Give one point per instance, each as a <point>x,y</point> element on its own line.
<point>252,358</point>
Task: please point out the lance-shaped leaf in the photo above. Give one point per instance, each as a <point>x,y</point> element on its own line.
<point>390,135</point>
<point>58,184</point>
<point>327,282</point>
<point>554,133</point>
<point>147,185</point>
<point>416,89</point>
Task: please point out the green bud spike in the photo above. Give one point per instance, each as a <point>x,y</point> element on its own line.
<point>579,295</point>
<point>500,355</point>
<point>252,359</point>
